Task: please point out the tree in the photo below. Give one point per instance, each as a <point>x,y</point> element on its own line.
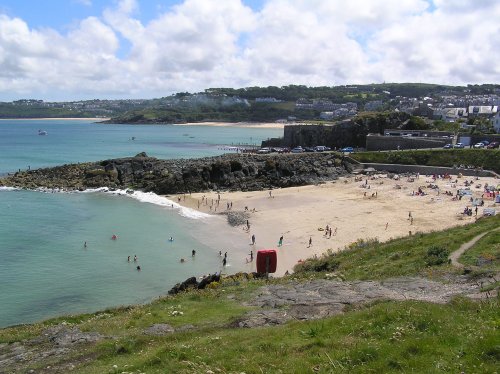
<point>416,123</point>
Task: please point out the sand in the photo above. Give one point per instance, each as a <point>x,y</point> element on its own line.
<point>298,213</point>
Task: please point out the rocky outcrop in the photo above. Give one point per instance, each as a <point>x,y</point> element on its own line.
<point>280,303</point>
<point>228,172</point>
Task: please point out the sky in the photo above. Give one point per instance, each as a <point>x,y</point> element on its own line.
<point>61,50</point>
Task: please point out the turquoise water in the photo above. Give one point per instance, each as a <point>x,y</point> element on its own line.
<point>46,271</point>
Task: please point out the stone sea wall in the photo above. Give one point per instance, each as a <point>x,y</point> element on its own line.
<point>227,172</point>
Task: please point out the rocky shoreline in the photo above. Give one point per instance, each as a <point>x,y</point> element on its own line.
<point>229,172</point>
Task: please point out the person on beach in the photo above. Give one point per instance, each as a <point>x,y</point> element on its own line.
<point>253,239</point>
<point>248,225</point>
<point>220,253</point>
<point>251,255</point>
<point>310,241</point>
<point>224,261</point>
<point>280,242</point>
<point>386,225</point>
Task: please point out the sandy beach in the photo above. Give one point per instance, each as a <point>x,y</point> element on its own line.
<point>363,208</point>
<point>264,125</point>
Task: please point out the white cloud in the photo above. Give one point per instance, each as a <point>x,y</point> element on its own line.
<point>209,43</point>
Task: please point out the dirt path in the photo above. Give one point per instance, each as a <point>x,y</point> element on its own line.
<point>454,256</point>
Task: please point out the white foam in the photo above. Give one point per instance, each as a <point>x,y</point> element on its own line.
<point>3,188</point>
<point>144,197</point>
<point>152,198</point>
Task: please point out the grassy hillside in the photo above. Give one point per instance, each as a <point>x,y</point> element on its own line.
<point>383,337</point>
<point>486,158</point>
<point>410,255</point>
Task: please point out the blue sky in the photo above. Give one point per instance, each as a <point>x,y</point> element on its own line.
<point>81,49</point>
<point>61,14</point>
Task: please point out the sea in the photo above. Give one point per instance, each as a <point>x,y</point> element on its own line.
<point>45,268</point>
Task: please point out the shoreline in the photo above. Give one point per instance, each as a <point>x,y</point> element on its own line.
<point>355,210</point>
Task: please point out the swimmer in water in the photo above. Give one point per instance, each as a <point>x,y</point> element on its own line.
<point>85,245</point>
<point>193,253</point>
<point>114,237</point>
<point>138,267</point>
<point>171,239</point>
<point>135,258</point>
<point>182,260</point>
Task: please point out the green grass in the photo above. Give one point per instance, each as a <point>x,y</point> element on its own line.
<point>386,337</point>
<point>398,257</point>
<point>488,159</point>
<point>486,253</point>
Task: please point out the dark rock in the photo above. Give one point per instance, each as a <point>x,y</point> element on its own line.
<point>207,280</point>
<point>228,172</point>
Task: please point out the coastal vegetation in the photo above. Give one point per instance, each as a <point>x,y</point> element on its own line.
<point>198,331</point>
<point>488,159</point>
<point>415,255</point>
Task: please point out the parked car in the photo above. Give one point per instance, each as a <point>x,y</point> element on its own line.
<point>459,145</point>
<point>479,145</point>
<point>264,150</point>
<point>485,142</point>
<point>493,145</point>
<point>298,149</point>
<point>448,146</point>
<point>347,149</point>
<point>320,148</point>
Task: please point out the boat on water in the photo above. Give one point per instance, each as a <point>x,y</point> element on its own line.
<point>42,132</point>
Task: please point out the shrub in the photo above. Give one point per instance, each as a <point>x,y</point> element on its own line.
<point>436,255</point>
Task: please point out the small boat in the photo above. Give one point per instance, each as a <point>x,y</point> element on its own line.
<point>42,132</point>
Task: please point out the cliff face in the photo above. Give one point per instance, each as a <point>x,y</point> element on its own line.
<point>347,133</point>
<point>227,172</point>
